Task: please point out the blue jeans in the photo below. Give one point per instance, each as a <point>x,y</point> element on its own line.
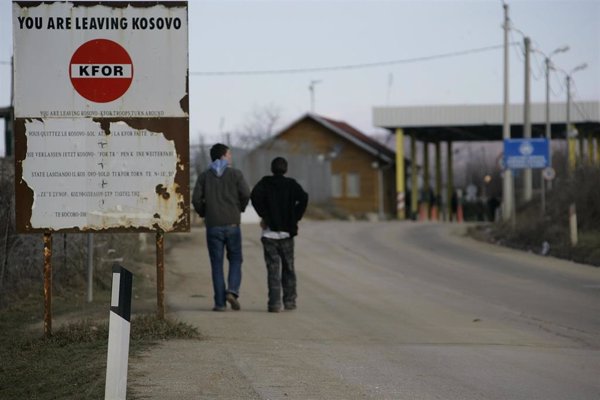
<point>219,238</point>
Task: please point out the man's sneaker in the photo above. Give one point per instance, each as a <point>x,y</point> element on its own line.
<point>233,301</point>
<point>220,309</point>
<point>290,307</point>
<point>274,309</point>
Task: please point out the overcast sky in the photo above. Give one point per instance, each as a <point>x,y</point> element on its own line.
<point>240,37</point>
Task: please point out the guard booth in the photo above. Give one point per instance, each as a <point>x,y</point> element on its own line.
<point>442,127</point>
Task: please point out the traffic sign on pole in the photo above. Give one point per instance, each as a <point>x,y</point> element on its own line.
<point>548,173</point>
<point>526,153</point>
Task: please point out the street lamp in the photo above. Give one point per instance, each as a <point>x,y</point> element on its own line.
<point>548,63</point>
<point>570,134</point>
<point>548,67</point>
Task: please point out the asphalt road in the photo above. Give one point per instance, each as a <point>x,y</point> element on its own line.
<point>385,311</point>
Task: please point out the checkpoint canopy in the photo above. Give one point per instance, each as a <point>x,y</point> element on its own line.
<point>483,122</point>
<point>101,116</point>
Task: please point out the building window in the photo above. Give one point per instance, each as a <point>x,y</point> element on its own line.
<point>336,186</point>
<point>352,185</point>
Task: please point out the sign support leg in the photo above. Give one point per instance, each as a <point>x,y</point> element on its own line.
<point>47,284</point>
<point>160,274</point>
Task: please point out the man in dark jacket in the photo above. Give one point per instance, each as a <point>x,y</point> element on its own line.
<point>220,195</point>
<point>280,202</point>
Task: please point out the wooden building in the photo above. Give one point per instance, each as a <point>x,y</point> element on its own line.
<point>362,170</point>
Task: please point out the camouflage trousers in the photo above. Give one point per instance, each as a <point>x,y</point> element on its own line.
<point>279,257</point>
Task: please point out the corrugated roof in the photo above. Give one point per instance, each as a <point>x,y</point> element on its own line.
<point>484,122</point>
<point>356,136</point>
<point>484,114</point>
<point>350,133</point>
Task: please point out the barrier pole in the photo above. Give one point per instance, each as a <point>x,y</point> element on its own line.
<point>414,190</point>
<point>573,224</point>
<point>400,182</point>
<point>119,331</point>
<point>590,146</point>
<point>426,186</point>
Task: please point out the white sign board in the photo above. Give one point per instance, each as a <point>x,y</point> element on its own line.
<point>75,60</point>
<point>101,116</point>
<point>111,186</point>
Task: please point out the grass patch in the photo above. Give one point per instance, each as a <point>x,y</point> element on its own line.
<point>71,364</point>
<point>550,235</point>
<point>147,328</point>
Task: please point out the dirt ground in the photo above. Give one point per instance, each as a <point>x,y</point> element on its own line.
<point>385,311</point>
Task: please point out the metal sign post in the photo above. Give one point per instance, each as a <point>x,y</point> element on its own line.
<point>47,284</point>
<point>160,275</point>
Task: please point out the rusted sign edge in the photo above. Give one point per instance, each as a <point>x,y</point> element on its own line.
<point>175,129</point>
<point>112,4</point>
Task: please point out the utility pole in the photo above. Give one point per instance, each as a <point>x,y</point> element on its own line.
<point>311,88</point>
<point>527,178</point>
<point>507,192</point>
<point>548,65</point>
<point>571,132</point>
<point>548,136</point>
<point>571,135</point>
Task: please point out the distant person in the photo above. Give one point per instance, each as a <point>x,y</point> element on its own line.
<point>220,196</point>
<point>493,204</point>
<point>453,207</point>
<point>280,202</point>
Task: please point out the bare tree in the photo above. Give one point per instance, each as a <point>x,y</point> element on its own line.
<point>259,126</point>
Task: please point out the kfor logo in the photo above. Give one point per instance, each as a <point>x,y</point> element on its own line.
<point>101,70</point>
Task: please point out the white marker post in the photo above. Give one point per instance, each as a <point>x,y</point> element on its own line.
<point>573,224</point>
<point>118,335</point>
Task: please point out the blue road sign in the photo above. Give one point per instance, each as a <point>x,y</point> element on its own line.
<point>526,153</point>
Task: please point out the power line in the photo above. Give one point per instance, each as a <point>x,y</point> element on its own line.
<point>343,67</point>
<point>582,113</point>
<point>351,66</point>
